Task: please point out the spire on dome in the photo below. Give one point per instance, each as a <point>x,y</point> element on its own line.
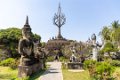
<point>27,21</point>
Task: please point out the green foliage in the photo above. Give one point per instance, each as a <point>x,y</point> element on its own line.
<point>7,62</point>
<point>43,44</point>
<point>89,63</point>
<point>99,70</point>
<point>116,73</point>
<point>14,34</point>
<point>6,73</point>
<point>36,37</point>
<point>115,24</point>
<point>63,59</point>
<point>105,33</point>
<point>24,78</point>
<point>115,63</point>
<point>109,33</point>
<point>50,58</point>
<point>104,71</point>
<point>109,47</point>
<point>11,34</point>
<point>116,35</point>
<point>11,62</point>
<point>10,37</point>
<point>112,33</point>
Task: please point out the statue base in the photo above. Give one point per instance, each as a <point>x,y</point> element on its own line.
<point>75,65</point>
<point>24,71</point>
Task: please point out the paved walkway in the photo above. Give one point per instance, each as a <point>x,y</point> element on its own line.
<point>53,73</point>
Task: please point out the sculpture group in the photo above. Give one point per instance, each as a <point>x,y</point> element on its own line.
<point>33,57</point>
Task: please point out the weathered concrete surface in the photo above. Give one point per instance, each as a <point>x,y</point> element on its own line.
<point>53,73</point>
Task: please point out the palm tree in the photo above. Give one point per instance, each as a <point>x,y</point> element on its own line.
<point>115,24</point>
<point>115,33</point>
<point>105,33</point>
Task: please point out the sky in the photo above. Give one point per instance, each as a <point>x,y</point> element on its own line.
<point>83,17</point>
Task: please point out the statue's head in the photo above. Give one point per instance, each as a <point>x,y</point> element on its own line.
<point>93,37</point>
<point>26,30</point>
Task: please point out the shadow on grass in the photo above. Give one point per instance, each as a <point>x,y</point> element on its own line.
<point>37,74</point>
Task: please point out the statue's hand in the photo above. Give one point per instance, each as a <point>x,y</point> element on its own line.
<point>25,55</point>
<point>36,55</point>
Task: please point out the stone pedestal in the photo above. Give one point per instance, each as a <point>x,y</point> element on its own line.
<point>42,64</point>
<point>24,71</point>
<point>75,65</point>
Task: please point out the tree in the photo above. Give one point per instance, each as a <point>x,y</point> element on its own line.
<point>112,33</point>
<point>115,24</point>
<point>115,35</point>
<point>36,38</point>
<point>105,33</point>
<point>10,34</point>
<point>109,47</point>
<point>10,37</point>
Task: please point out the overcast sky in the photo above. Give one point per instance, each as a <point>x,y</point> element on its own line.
<point>83,17</point>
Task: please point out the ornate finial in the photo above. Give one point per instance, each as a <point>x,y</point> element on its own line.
<point>59,20</point>
<point>27,21</point>
<point>59,9</point>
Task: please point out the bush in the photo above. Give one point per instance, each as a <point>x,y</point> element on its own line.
<point>50,58</point>
<point>99,70</point>
<point>104,71</point>
<point>63,59</point>
<point>91,66</point>
<point>89,63</point>
<point>11,62</point>
<point>115,63</point>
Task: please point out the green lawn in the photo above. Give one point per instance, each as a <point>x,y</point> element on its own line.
<point>7,73</point>
<point>68,75</point>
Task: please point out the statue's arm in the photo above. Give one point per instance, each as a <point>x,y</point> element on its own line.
<point>33,48</point>
<point>20,47</point>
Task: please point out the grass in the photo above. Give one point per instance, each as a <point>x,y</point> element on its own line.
<point>7,73</point>
<point>116,74</point>
<point>68,75</point>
